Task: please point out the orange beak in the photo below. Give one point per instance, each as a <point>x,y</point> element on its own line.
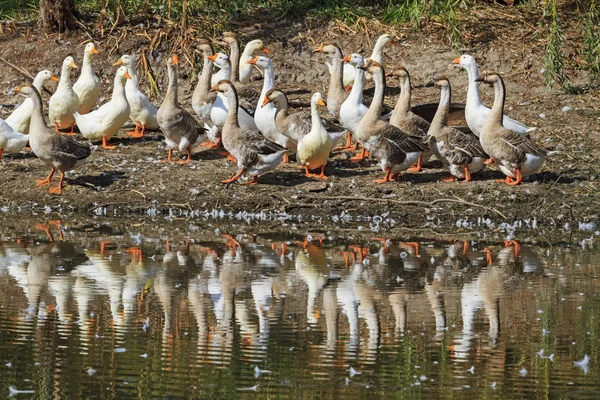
<point>456,60</point>
<point>265,50</point>
<point>17,89</point>
<point>120,62</point>
<point>320,102</point>
<point>213,58</point>
<point>126,75</point>
<point>73,65</point>
<point>318,49</point>
<point>214,88</point>
<point>94,50</point>
<point>175,59</point>
<point>265,101</point>
<point>346,59</point>
<point>54,78</point>
<point>253,61</point>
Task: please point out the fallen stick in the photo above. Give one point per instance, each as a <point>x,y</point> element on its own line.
<point>416,203</point>
<point>23,72</point>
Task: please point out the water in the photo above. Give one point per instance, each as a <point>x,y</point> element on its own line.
<point>228,317</point>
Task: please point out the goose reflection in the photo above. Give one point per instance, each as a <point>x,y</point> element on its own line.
<point>312,267</point>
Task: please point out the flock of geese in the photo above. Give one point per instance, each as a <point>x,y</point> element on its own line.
<point>259,131</point>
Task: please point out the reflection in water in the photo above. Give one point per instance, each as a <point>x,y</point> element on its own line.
<point>198,318</point>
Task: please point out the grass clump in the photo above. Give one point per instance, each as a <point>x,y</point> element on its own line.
<point>590,46</point>
<point>554,71</point>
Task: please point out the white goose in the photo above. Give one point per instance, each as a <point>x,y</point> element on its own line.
<point>218,113</point>
<point>264,117</point>
<point>475,112</point>
<point>106,121</point>
<point>11,141</point>
<point>353,109</point>
<point>202,98</point>
<point>349,70</point>
<point>20,117</point>
<point>88,86</point>
<point>64,102</point>
<point>142,113</point>
<point>249,51</point>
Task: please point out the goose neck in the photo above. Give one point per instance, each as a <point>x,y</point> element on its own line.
<point>172,92</point>
<point>496,114</point>
<point>473,89</point>
<point>356,94</point>
<point>376,105</point>
<point>441,116</point>
<point>232,111</point>
<point>65,76</point>
<point>235,61</point>
<point>403,103</point>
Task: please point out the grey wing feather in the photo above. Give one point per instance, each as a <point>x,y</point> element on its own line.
<point>402,141</point>
<point>70,148</point>
<point>522,144</point>
<point>257,143</point>
<point>465,142</point>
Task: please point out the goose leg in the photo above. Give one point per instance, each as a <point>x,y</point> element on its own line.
<point>286,158</point>
<point>1,151</point>
<point>170,158</point>
<point>58,189</point>
<point>489,161</point>
<point>136,133</point>
<point>360,157</point>
<point>320,176</point>
<point>467,175</point>
<point>45,182</point>
<point>508,180</point>
<point>231,158</point>
<point>413,245</point>
<point>489,259</point>
<point>234,178</point>
<point>56,127</point>
<point>254,181</point>
<point>450,178</point>
<point>189,157</point>
<point>386,178</point>
<point>210,145</point>
<point>348,145</point>
<point>72,133</point>
<point>518,180</point>
<point>105,144</point>
<point>417,167</point>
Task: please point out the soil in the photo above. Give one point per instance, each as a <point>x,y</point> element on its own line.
<point>131,181</point>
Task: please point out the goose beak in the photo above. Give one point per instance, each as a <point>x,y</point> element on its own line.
<point>253,61</point>
<point>431,83</point>
<point>175,59</point>
<point>214,88</point>
<point>17,89</point>
<point>456,60</point>
<point>213,58</point>
<point>265,50</point>
<point>318,49</point>
<point>54,78</point>
<point>480,79</point>
<point>320,102</point>
<point>94,50</point>
<point>73,65</point>
<point>119,62</point>
<point>346,59</point>
<point>389,74</point>
<point>265,101</point>
<point>126,75</point>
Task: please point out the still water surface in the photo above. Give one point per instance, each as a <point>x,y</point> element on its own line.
<point>132,316</point>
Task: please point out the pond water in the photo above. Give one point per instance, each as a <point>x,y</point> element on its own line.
<point>102,314</point>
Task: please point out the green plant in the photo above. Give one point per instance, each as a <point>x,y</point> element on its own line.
<point>590,46</point>
<point>555,59</point>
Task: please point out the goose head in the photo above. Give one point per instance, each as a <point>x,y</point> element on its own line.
<point>317,100</point>
<point>69,63</point>
<point>173,60</point>
<point>329,48</point>
<point>123,74</point>
<point>126,60</point>
<point>256,45</point>
<point>399,71</point>
<point>230,38</point>
<point>90,49</point>
<point>273,96</point>
<point>464,61</point>
<point>205,47</point>
<point>220,59</point>
<point>490,78</point>
<point>223,86</point>
<point>26,91</point>
<point>355,59</point>
<point>261,62</point>
<point>384,39</point>
<point>438,81</point>
<point>372,67</point>
<point>46,75</point>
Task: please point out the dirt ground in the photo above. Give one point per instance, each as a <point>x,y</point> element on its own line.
<point>130,181</point>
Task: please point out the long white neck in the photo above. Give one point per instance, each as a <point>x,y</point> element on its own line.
<point>314,114</point>
<point>86,67</point>
<point>226,68</point>
<point>441,115</point>
<point>378,51</point>
<point>38,82</point>
<point>248,52</point>
<point>375,109</point>
<point>118,93</point>
<point>473,90</point>
<point>65,77</point>
<point>133,82</point>
<point>356,94</point>
<point>269,82</point>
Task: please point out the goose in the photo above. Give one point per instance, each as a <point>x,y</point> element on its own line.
<point>64,102</point>
<point>315,146</point>
<point>336,93</point>
<point>264,116</point>
<point>295,126</point>
<point>517,156</point>
<point>142,112</point>
<point>218,113</point>
<point>255,154</point>
<point>11,141</point>
<point>106,121</point>
<point>460,152</point>
<point>202,98</point>
<point>19,118</point>
<point>475,112</point>
<point>352,109</point>
<point>87,87</point>
<point>402,116</point>
<point>58,151</point>
<point>180,128</point>
<point>252,47</point>
<point>395,150</point>
<point>349,70</point>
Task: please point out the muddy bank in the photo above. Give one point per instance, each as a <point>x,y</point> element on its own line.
<point>130,181</point>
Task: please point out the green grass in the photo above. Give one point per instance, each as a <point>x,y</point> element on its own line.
<point>554,71</point>
<point>590,47</point>
<point>18,9</point>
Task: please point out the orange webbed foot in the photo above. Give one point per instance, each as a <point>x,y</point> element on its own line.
<point>55,190</point>
<point>489,161</point>
<point>450,178</point>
